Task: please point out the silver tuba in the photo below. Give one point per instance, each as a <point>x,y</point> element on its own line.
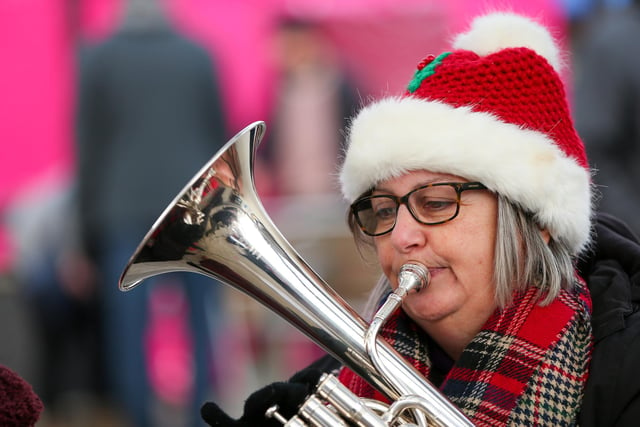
<point>218,227</point>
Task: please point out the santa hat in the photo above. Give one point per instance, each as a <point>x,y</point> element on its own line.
<point>492,110</point>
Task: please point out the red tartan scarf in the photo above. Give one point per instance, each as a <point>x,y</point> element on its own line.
<point>527,366</point>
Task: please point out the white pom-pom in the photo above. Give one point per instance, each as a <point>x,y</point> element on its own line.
<point>496,31</point>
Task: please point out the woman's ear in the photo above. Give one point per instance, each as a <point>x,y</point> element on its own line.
<point>546,236</point>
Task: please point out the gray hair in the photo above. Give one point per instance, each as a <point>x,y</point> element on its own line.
<point>522,259</point>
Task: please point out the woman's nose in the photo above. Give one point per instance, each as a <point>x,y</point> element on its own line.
<point>407,232</point>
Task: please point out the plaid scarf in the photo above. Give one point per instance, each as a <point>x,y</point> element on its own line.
<point>527,366</point>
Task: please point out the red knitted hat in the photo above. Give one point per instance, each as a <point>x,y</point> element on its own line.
<point>492,110</point>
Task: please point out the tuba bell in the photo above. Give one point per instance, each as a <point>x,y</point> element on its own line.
<point>218,227</point>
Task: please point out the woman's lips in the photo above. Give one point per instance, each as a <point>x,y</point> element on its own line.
<point>433,271</point>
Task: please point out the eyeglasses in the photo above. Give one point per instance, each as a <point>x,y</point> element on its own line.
<point>430,205</point>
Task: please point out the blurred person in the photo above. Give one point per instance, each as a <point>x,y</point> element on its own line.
<point>313,100</point>
<point>149,114</point>
<point>607,104</point>
<point>476,172</point>
<point>56,282</point>
<point>314,96</point>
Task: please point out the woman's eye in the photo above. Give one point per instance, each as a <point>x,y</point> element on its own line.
<point>434,205</point>
<point>385,213</point>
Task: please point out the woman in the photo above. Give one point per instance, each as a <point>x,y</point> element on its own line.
<point>499,252</point>
<point>478,173</point>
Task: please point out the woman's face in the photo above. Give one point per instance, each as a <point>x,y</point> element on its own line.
<point>459,254</point>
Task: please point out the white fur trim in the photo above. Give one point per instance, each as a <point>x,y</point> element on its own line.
<point>491,33</point>
<point>396,135</point>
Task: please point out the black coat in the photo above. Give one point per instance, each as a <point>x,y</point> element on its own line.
<point>612,271</point>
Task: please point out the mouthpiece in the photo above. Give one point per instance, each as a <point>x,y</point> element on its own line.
<point>412,277</point>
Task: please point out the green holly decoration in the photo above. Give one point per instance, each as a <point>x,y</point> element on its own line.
<point>426,68</point>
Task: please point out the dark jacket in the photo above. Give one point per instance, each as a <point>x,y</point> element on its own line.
<point>149,116</point>
<point>612,270</point>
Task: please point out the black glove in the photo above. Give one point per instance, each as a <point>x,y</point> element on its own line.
<point>287,395</point>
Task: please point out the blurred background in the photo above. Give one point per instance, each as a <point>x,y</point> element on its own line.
<point>108,107</point>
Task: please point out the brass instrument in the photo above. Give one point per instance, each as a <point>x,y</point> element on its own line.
<point>218,227</point>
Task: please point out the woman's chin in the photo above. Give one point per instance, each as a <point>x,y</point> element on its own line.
<point>427,311</point>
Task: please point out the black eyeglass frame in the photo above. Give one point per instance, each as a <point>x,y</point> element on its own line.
<point>404,200</point>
